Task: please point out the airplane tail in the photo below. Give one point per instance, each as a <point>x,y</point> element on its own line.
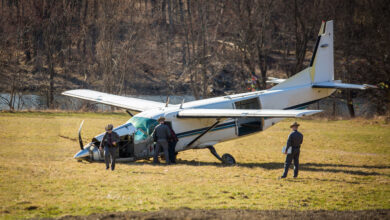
<point>320,73</point>
<point>322,61</point>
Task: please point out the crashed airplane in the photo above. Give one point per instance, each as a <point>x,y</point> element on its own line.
<point>204,123</point>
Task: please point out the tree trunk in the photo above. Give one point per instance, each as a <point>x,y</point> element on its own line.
<point>194,75</point>
<point>163,12</point>
<point>350,104</point>
<point>334,109</point>
<point>50,101</point>
<point>183,50</point>
<point>262,62</point>
<point>301,39</point>
<point>203,19</point>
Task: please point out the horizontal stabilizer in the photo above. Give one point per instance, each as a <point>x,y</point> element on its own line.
<point>114,100</point>
<point>338,85</point>
<point>244,113</point>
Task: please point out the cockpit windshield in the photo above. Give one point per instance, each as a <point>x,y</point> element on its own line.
<point>144,126</point>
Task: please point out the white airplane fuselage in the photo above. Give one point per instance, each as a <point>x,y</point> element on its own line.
<point>188,128</point>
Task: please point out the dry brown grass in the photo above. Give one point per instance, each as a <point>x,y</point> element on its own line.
<point>345,166</point>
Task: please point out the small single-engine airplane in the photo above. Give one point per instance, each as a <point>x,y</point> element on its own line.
<point>203,123</point>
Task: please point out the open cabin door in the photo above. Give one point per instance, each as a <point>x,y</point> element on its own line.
<point>126,146</point>
<point>248,125</point>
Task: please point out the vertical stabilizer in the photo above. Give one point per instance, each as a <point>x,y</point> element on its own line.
<point>322,61</point>
<point>321,67</point>
<point>320,73</point>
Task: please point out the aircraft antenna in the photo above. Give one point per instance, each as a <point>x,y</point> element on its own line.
<point>182,102</point>
<point>167,102</point>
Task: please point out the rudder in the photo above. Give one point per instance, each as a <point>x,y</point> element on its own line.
<point>322,61</point>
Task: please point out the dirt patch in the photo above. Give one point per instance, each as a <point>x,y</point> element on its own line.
<point>239,214</point>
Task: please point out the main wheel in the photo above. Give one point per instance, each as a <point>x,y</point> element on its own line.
<point>228,159</point>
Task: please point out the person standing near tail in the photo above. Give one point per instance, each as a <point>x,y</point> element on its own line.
<point>294,141</point>
<point>109,142</point>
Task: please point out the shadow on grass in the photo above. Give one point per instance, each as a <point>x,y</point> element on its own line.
<point>315,167</point>
<point>345,165</point>
<point>188,213</point>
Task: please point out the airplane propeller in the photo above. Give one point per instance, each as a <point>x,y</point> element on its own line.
<point>81,140</point>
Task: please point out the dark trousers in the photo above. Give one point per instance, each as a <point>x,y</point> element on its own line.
<point>110,157</point>
<point>289,158</point>
<point>171,151</point>
<point>161,144</point>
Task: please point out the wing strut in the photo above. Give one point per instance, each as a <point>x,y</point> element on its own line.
<point>201,135</point>
<point>128,112</point>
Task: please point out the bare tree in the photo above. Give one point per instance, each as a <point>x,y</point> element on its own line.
<point>125,46</point>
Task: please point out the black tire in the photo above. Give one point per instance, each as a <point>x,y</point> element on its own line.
<point>228,159</point>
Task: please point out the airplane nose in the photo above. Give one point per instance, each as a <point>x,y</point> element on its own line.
<point>83,154</point>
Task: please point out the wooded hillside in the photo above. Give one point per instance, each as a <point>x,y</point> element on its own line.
<point>201,47</point>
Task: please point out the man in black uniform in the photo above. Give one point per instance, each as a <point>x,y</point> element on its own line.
<point>161,135</point>
<point>172,144</point>
<point>109,141</point>
<point>294,141</point>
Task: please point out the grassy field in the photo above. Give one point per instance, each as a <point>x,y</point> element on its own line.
<point>345,165</point>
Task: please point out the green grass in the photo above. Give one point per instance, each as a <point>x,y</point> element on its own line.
<point>345,165</point>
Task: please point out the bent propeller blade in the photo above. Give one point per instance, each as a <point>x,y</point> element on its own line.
<point>81,140</point>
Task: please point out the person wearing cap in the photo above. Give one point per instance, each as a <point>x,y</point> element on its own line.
<point>109,142</point>
<point>294,141</point>
<point>161,135</point>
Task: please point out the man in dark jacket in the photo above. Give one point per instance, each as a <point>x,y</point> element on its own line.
<point>172,144</point>
<point>294,141</point>
<point>109,142</point>
<point>161,135</point>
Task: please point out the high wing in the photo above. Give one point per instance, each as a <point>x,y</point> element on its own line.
<point>244,113</point>
<point>114,100</point>
<point>339,85</point>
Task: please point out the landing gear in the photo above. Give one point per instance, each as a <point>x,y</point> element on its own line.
<point>226,159</point>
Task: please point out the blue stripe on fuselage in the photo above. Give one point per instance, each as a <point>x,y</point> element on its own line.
<point>200,130</point>
<point>232,124</point>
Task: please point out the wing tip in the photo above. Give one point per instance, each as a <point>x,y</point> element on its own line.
<point>368,86</point>
<point>308,113</point>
